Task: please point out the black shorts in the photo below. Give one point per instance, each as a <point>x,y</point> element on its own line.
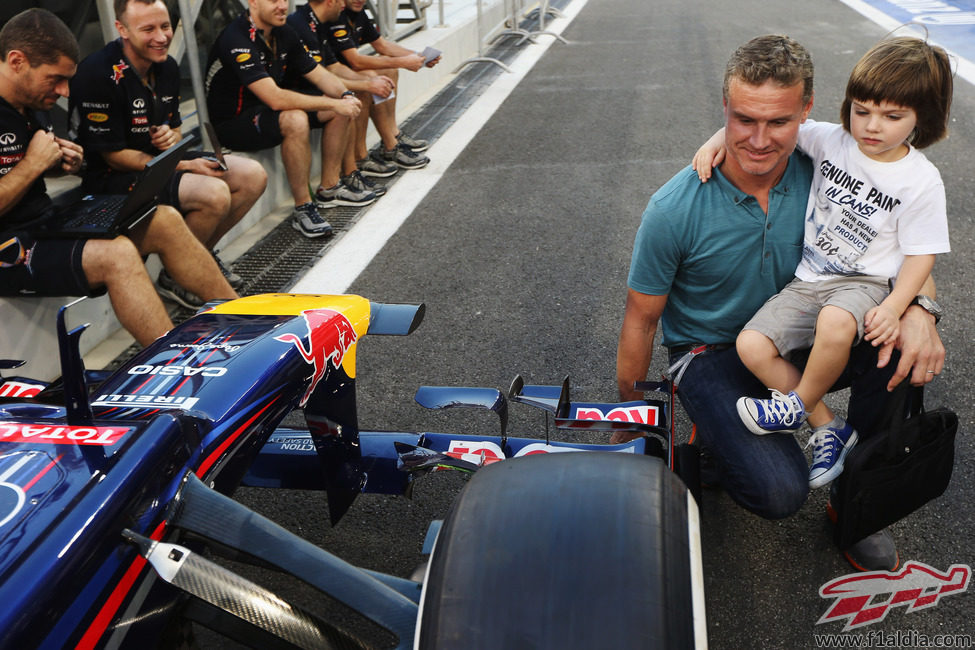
<point>256,129</point>
<point>50,267</point>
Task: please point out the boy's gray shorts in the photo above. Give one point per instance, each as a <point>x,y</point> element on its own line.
<point>789,317</point>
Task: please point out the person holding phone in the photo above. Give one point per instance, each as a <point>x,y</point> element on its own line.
<point>124,109</point>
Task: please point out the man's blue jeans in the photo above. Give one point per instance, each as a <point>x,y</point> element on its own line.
<point>768,475</point>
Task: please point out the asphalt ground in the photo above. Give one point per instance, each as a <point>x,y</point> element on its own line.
<point>520,254</point>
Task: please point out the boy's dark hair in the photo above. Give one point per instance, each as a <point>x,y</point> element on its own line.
<point>908,72</point>
<point>40,35</point>
<point>771,57</point>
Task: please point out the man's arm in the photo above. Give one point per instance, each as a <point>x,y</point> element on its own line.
<point>42,153</point>
<point>362,82</point>
<point>330,84</point>
<point>635,349</point>
<point>922,352</point>
<point>281,99</point>
<point>389,55</point>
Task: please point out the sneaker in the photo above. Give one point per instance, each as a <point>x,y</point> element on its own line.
<point>356,181</point>
<point>376,168</point>
<point>234,280</point>
<point>167,288</point>
<point>781,414</point>
<point>405,157</point>
<point>830,447</point>
<point>342,194</point>
<point>306,220</point>
<point>414,144</point>
<point>875,552</point>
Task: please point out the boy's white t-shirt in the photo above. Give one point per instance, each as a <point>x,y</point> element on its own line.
<point>863,216</point>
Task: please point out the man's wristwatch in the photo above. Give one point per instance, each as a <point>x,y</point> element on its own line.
<point>930,306</point>
<point>347,93</point>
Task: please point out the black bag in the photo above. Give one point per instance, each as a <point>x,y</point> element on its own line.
<point>896,471</point>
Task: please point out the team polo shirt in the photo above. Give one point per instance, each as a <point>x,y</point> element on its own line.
<point>352,29</point>
<point>112,107</point>
<point>242,55</point>
<point>717,256</point>
<point>16,131</point>
<point>313,33</point>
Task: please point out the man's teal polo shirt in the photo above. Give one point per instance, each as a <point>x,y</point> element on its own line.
<point>715,253</point>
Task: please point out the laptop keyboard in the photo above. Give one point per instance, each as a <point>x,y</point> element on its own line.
<point>102,215</point>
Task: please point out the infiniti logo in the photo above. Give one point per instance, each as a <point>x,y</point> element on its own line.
<point>8,138</point>
<point>139,103</point>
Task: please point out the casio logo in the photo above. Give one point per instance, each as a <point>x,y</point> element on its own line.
<point>178,371</point>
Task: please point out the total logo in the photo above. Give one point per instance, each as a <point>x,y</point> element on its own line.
<point>179,371</point>
<point>58,434</point>
<point>485,452</point>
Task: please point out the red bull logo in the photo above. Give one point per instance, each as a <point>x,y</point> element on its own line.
<point>118,71</point>
<point>330,335</point>
<point>866,598</point>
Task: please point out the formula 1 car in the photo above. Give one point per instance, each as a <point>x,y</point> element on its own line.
<point>115,498</point>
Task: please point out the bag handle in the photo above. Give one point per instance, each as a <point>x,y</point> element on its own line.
<point>906,402</point>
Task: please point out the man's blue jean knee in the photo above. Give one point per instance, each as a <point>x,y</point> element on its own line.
<point>766,475</point>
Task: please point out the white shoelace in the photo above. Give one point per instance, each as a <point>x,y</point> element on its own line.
<point>782,406</point>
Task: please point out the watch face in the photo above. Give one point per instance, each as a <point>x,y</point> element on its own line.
<point>933,308</point>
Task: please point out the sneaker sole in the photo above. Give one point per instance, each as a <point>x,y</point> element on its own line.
<point>378,174</point>
<point>412,166</point>
<point>172,296</point>
<point>420,149</point>
<point>311,235</point>
<point>835,470</point>
<point>337,202</point>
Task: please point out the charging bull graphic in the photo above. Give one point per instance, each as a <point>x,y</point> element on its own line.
<point>865,598</point>
<point>330,335</point>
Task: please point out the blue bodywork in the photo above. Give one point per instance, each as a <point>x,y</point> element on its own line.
<point>206,401</point>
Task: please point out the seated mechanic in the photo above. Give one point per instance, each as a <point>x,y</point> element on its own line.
<point>707,256</point>
<point>310,21</point>
<point>252,109</point>
<point>38,55</point>
<point>352,30</point>
<point>125,110</point>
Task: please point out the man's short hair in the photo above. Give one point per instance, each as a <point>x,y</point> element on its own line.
<point>40,35</point>
<point>121,5</point>
<point>908,72</point>
<point>771,57</point>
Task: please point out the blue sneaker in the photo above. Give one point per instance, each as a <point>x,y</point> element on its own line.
<point>830,447</point>
<point>781,414</point>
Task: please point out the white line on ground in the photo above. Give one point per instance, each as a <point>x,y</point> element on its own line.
<point>351,254</point>
<point>966,69</point>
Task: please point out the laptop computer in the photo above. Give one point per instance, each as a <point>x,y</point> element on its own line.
<point>109,215</point>
<point>215,145</point>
